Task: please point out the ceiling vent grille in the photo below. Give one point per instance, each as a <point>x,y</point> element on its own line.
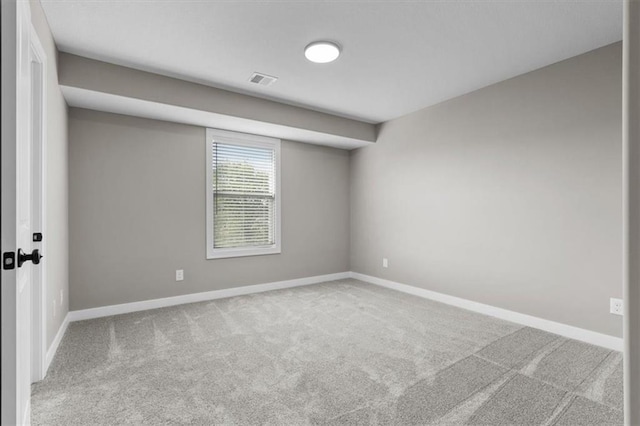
<point>262,79</point>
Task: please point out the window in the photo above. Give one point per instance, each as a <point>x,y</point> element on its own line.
<point>243,194</point>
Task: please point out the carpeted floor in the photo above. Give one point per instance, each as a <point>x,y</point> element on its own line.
<point>342,352</point>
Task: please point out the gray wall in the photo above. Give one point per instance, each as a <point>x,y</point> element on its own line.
<point>137,213</point>
<point>509,196</point>
<point>57,218</point>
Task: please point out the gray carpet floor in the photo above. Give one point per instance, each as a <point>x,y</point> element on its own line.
<point>342,352</point>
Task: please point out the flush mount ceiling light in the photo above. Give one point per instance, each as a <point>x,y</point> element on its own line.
<point>322,52</point>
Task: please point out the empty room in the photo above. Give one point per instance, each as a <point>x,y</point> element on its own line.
<point>283,212</point>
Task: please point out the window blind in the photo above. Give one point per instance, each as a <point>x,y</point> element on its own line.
<point>243,196</point>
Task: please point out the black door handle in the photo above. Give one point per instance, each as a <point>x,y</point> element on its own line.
<point>35,257</point>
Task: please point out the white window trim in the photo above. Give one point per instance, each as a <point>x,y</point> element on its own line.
<point>243,139</point>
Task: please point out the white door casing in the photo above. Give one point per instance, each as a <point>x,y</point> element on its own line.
<point>38,66</point>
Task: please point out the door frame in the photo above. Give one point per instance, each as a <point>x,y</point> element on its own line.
<point>631,208</point>
<point>10,16</point>
<point>38,119</point>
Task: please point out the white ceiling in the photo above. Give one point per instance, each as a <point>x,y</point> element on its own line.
<point>398,56</point>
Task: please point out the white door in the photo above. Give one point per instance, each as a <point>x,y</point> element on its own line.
<point>24,133</point>
<point>17,212</point>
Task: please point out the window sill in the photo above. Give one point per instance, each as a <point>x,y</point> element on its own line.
<point>242,252</point>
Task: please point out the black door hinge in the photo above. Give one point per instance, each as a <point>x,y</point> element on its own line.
<point>9,260</point>
<point>37,236</point>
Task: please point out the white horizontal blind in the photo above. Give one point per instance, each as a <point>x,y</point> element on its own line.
<point>243,196</point>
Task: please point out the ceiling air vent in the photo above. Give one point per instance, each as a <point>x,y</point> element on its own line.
<point>262,79</point>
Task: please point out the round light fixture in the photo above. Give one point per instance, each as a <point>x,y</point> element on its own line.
<point>322,52</point>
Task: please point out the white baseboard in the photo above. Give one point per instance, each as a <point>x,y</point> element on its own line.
<point>51,352</point>
<point>588,336</point>
<point>105,311</point>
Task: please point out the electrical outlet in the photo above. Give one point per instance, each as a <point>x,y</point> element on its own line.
<point>616,306</point>
<point>61,297</point>
<point>385,262</point>
<point>179,274</point>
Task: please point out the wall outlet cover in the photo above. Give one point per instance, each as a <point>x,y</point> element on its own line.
<point>179,274</point>
<point>616,306</point>
<point>385,262</point>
